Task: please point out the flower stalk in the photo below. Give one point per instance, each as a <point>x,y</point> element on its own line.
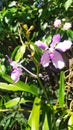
<point>43,88</point>
<point>33,75</point>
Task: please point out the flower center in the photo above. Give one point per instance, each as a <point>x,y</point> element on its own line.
<point>51,55</point>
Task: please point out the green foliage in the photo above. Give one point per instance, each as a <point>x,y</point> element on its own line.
<point>20,53</point>
<point>68,4</point>
<point>70,123</point>
<point>61,90</point>
<point>2,69</point>
<point>70,34</point>
<point>14,120</point>
<point>47,120</point>
<point>39,100</point>
<point>14,102</point>
<point>45,124</point>
<point>34,117</point>
<point>40,14</point>
<point>19,86</point>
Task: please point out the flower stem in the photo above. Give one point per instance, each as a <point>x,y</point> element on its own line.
<point>43,88</point>
<point>33,75</point>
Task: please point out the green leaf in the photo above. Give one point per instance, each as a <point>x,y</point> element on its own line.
<point>68,4</point>
<point>14,102</point>
<point>46,117</point>
<point>2,69</point>
<point>13,3</point>
<point>7,124</point>
<point>33,121</point>
<point>45,124</point>
<point>47,39</point>
<point>14,52</point>
<point>19,86</point>
<point>61,89</point>
<point>20,52</point>
<point>70,123</point>
<point>70,34</point>
<point>11,87</point>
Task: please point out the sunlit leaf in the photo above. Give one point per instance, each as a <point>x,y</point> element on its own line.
<point>46,118</point>
<point>14,102</point>
<point>2,69</point>
<point>33,121</point>
<point>45,124</point>
<point>61,89</point>
<point>19,86</point>
<point>68,4</point>
<point>70,34</point>
<point>70,123</point>
<point>20,53</point>
<point>13,3</point>
<point>14,51</point>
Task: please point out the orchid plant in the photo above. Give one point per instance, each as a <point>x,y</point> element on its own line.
<point>51,54</point>
<point>35,94</point>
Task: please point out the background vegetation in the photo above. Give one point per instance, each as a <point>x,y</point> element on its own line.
<point>24,105</point>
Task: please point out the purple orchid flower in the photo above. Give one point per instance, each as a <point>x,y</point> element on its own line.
<point>51,53</point>
<point>15,74</point>
<point>17,71</point>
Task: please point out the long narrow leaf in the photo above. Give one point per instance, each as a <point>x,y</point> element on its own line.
<point>70,123</point>
<point>46,117</point>
<point>13,87</point>
<point>61,89</point>
<point>33,121</point>
<point>19,86</point>
<point>45,124</point>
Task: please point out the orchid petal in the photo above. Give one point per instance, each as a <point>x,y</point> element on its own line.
<point>9,58</point>
<point>14,64</point>
<point>41,45</point>
<point>55,40</point>
<point>64,46</point>
<point>15,75</point>
<point>58,61</point>
<point>45,59</point>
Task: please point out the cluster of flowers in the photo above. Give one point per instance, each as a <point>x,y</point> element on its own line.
<point>51,53</point>
<point>58,23</point>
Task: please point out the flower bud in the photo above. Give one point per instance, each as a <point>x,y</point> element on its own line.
<point>31,28</point>
<point>67,26</point>
<point>25,27</point>
<point>57,23</point>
